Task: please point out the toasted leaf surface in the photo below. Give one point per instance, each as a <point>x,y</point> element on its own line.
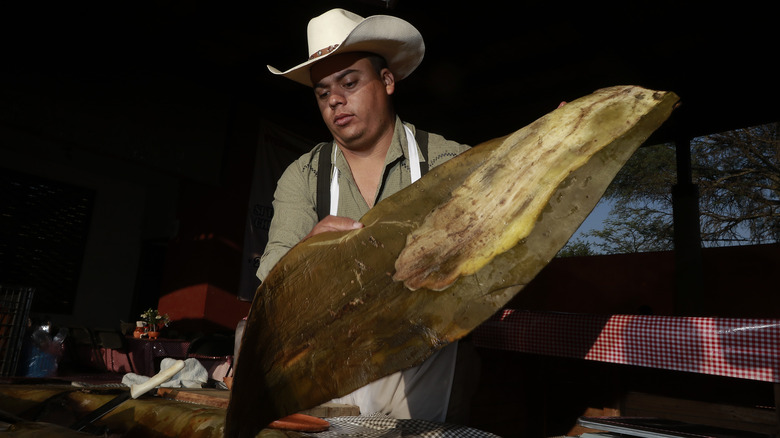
<point>337,312</point>
<point>146,416</point>
<point>486,216</point>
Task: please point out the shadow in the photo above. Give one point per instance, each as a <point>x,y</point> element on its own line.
<point>547,333</point>
<point>81,353</point>
<point>114,342</point>
<point>215,353</point>
<point>534,380</point>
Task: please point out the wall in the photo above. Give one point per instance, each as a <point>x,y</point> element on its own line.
<point>738,281</point>
<point>200,284</point>
<point>125,212</point>
<point>134,140</point>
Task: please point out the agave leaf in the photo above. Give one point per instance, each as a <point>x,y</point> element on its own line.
<point>335,313</point>
<point>142,417</point>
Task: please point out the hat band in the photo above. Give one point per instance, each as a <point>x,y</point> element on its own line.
<point>324,51</point>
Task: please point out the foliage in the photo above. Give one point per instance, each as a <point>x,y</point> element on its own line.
<point>635,228</point>
<point>153,317</point>
<point>738,177</point>
<point>576,248</point>
<point>738,173</point>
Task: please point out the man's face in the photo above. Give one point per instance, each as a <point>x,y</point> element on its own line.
<point>354,99</point>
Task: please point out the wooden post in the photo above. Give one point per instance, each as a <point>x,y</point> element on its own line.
<point>777,406</point>
<point>689,294</point>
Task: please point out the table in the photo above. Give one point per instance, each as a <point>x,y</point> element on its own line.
<point>142,356</point>
<point>731,347</point>
<point>147,352</point>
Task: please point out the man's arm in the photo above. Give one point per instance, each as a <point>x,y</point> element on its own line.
<point>295,218</point>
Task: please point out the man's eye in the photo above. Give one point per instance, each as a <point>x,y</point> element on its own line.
<point>349,84</point>
<point>323,95</point>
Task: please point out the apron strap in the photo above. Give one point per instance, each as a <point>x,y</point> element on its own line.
<point>323,180</point>
<point>327,183</point>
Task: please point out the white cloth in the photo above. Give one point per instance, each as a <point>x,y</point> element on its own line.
<point>193,375</point>
<point>421,392</point>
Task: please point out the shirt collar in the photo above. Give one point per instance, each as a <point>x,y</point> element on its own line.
<point>398,147</point>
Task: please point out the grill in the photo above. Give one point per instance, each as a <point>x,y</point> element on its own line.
<point>14,310</point>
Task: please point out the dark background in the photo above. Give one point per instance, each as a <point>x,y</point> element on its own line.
<point>490,66</point>
<point>153,109</point>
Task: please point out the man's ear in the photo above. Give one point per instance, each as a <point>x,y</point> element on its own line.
<point>389,80</point>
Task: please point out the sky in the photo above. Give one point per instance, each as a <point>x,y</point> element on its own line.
<point>595,220</point>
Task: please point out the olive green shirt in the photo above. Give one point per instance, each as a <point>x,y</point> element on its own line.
<point>295,199</point>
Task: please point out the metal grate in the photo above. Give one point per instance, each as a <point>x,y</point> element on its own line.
<point>44,226</point>
<point>14,310</point>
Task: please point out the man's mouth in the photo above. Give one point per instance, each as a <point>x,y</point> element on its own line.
<point>342,119</point>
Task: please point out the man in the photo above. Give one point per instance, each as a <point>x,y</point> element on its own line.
<point>353,67</point>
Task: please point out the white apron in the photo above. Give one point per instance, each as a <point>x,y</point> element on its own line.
<point>421,392</point>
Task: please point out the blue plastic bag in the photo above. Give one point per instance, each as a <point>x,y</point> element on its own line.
<point>42,351</point>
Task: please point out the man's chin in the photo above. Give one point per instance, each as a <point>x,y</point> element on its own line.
<point>347,138</point>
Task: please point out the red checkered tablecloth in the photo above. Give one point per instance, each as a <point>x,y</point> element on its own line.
<point>732,347</point>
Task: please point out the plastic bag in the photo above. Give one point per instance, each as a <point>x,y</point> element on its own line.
<point>43,350</point>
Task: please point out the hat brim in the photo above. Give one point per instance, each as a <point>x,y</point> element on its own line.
<point>397,41</point>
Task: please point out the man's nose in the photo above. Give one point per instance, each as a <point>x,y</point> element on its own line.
<point>336,99</point>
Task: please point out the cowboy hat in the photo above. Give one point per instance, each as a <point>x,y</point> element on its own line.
<point>340,31</point>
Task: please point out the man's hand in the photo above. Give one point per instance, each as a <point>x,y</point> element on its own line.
<point>334,223</point>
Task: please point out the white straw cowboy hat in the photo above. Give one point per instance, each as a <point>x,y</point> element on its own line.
<point>340,31</point>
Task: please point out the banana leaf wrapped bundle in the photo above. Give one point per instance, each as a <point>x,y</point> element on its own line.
<point>48,410</point>
<point>433,261</point>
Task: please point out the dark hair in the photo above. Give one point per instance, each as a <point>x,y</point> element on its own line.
<point>377,61</point>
